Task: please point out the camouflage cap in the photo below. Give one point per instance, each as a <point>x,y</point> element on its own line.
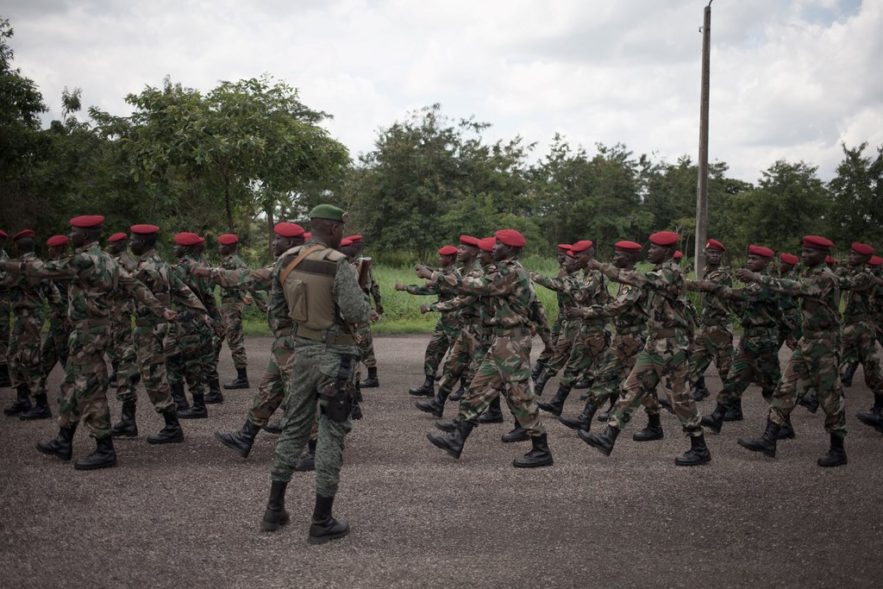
<point>326,211</point>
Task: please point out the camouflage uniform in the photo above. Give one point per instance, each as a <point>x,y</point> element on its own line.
<point>4,313</point>
<point>320,370</point>
<point>566,288</point>
<point>231,312</point>
<point>54,349</point>
<point>877,307</point>
<point>592,339</point>
<point>859,329</point>
<point>364,339</point>
<point>448,326</point>
<point>714,340</point>
<point>125,375</point>
<point>27,295</point>
<point>554,333</point>
<point>789,323</point>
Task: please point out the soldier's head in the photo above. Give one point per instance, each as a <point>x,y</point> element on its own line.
<point>625,254</point>
<point>143,238</point>
<point>759,257</point>
<point>571,264</point>
<point>186,244</point>
<point>486,249</point>
<point>714,253</point>
<point>117,243</point>
<point>468,249</point>
<point>860,254</point>
<point>228,243</point>
<point>24,241</point>
<point>561,253</point>
<point>85,229</point>
<point>446,255</point>
<point>357,243</point>
<point>286,236</point>
<point>814,250</point>
<point>583,251</point>
<point>875,264</point>
<point>327,222</point>
<point>509,244</point>
<point>787,262</point>
<point>662,246</point>
<point>57,246</point>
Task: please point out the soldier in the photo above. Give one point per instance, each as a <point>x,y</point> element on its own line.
<point>315,286</point>
<point>53,349</point>
<point>665,351</point>
<point>757,359</point>
<point>447,327</point>
<point>561,256</point>
<point>874,416</point>
<point>814,363</point>
<point>366,280</point>
<point>231,311</point>
<point>506,365</point>
<point>789,324</point>
<point>277,376</point>
<point>714,340</point>
<point>93,276</point>
<point>27,294</point>
<point>4,316</point>
<point>124,369</point>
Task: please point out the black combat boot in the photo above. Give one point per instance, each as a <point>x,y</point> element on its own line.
<point>241,441</point>
<point>325,528</point>
<point>605,415</point>
<point>198,410</point>
<point>700,391</point>
<point>452,442</point>
<point>61,445</point>
<point>241,380</point>
<point>434,406</point>
<point>734,411</point>
<point>810,401</point>
<point>447,425</point>
<point>22,401</point>
<point>274,427</point>
<point>172,432</point>
<point>541,382</point>
<point>427,389</point>
<point>40,410</point>
<point>766,443</point>
<point>873,416</point>
<point>307,462</point>
<point>104,456</point>
<point>493,413</point>
<point>556,405</point>
<point>275,516</point>
<point>603,443</point>
<point>697,454</point>
<point>518,434</point>
<point>583,420</point>
<point>539,454</point>
<point>537,370</point>
<point>215,396</point>
<point>4,376</point>
<point>653,431</point>
<point>848,373</point>
<point>786,432</point>
<point>836,455</point>
<point>715,421</point>
<point>178,396</point>
<point>126,426</point>
<point>372,382</point>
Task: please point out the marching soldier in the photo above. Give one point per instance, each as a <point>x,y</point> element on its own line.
<point>789,324</point>
<point>231,310</point>
<point>561,256</point>
<point>353,249</point>
<point>4,316</point>
<point>124,370</point>
<point>874,416</point>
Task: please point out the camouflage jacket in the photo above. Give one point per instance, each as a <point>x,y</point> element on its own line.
<point>158,276</point>
<point>123,305</point>
<point>468,306</point>
<point>510,294</point>
<point>371,288</point>
<point>714,309</point>
<point>232,294</point>
<point>787,303</point>
<point>440,288</point>
<point>819,291</point>
<point>260,279</point>
<point>592,291</point>
<point>566,287</point>
<point>27,292</point>
<point>627,310</point>
<point>201,287</point>
<point>666,294</point>
<point>859,284</point>
<point>758,304</point>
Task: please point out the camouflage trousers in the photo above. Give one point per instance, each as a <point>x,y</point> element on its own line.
<point>5,308</point>
<point>196,354</point>
<point>84,390</point>
<point>365,341</point>
<point>150,359</point>
<point>814,365</point>
<point>231,313</point>
<point>549,349</point>
<point>25,367</point>
<point>467,352</point>
<point>860,345</point>
<point>661,356</point>
<point>615,363</point>
<point>317,370</point>
<point>541,326</point>
<point>563,347</point>
<point>790,330</point>
<point>53,351</point>
<point>505,369</point>
<point>275,381</point>
<point>757,361</point>
<point>712,342</point>
<point>443,337</point>
<point>588,347</point>
<point>124,375</point>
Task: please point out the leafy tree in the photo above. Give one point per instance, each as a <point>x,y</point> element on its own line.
<point>857,195</point>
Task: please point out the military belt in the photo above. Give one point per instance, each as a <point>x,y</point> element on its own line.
<point>325,336</point>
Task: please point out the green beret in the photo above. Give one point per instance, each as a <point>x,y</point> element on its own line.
<point>330,212</point>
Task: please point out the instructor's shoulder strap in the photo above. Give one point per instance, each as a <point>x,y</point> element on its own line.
<point>283,276</point>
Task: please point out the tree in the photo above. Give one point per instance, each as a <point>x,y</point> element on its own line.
<point>857,196</point>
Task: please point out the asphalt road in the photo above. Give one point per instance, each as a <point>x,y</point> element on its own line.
<point>187,515</point>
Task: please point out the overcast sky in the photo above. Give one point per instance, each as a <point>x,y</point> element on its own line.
<point>791,79</point>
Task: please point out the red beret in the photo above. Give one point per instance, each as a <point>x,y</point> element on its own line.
<point>469,240</point>
<point>863,249</point>
<point>228,238</point>
<point>57,241</point>
<point>759,250</point>
<point>628,246</point>
<point>664,238</point>
<point>789,258</point>
<point>3,234</point>
<point>570,254</point>
<point>346,241</point>
<point>510,237</point>
<point>117,237</point>
<point>831,260</point>
<point>355,238</point>
<point>447,250</point>
<point>487,244</point>
<point>23,233</point>
<point>818,242</point>
<point>187,238</point>
<point>308,235</point>
<point>144,229</point>
<point>87,221</point>
<point>581,246</point>
<point>286,229</point>
<point>565,247</point>
<point>875,261</point>
<point>713,244</point>
<point>678,255</point>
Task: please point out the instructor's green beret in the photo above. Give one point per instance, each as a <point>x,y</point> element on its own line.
<point>330,212</point>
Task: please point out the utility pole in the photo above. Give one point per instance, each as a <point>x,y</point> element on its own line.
<point>702,183</point>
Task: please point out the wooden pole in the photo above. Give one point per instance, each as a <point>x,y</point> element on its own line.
<point>702,183</point>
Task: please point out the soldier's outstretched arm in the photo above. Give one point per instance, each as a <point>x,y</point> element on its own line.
<point>138,290</point>
<point>555,284</point>
<point>184,296</point>
<point>493,284</point>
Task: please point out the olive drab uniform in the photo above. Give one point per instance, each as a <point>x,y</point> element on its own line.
<point>859,329</point>
<point>448,326</point>
<point>566,288</point>
<point>27,296</point>
<point>714,340</point>
<point>321,295</point>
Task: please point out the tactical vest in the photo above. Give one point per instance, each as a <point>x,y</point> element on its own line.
<point>308,289</point>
